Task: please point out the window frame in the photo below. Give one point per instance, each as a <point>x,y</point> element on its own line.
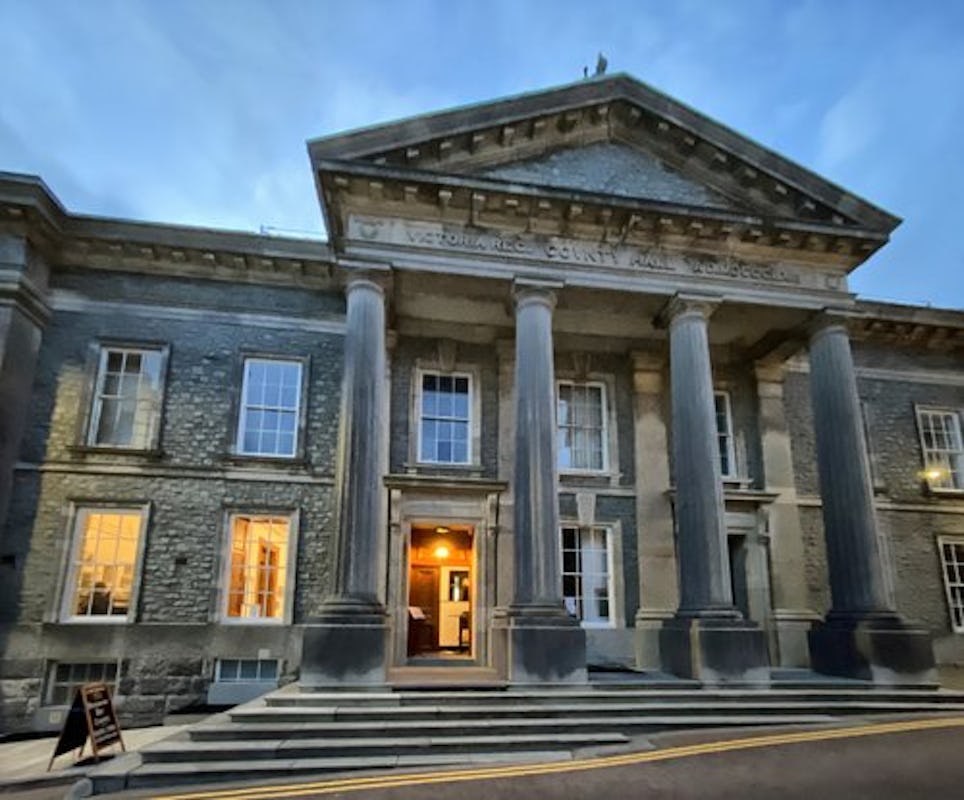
<point>604,432</point>
<point>51,682</point>
<point>734,472</point>
<point>94,406</point>
<point>609,532</point>
<point>78,513</point>
<point>219,670</point>
<point>288,593</point>
<point>471,421</point>
<point>955,541</point>
<point>300,410</point>
<point>956,414</point>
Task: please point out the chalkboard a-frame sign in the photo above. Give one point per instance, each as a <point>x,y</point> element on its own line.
<point>91,716</point>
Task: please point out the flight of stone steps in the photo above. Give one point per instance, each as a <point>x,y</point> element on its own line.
<point>290,732</point>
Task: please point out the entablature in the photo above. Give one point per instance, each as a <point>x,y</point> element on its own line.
<point>491,204</point>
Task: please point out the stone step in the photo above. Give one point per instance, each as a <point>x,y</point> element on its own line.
<point>472,713</point>
<point>395,699</point>
<point>287,749</point>
<point>163,774</point>
<point>636,724</point>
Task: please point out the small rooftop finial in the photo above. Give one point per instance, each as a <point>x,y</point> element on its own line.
<point>601,64</point>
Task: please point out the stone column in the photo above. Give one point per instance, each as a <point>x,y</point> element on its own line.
<point>347,644</point>
<point>708,639</point>
<point>862,635</point>
<point>545,644</point>
<point>23,314</point>
<point>792,618</point>
<point>658,587</point>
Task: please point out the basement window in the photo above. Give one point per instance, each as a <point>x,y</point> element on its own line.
<point>66,678</point>
<point>235,670</point>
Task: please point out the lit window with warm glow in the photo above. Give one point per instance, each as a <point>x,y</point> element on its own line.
<point>257,567</point>
<point>103,564</point>
<point>940,434</point>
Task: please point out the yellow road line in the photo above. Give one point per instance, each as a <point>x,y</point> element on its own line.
<point>519,770</point>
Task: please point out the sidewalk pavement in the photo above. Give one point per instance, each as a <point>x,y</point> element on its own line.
<point>23,763</point>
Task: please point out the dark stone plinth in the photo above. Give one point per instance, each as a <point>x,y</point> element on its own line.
<point>882,648</point>
<point>714,650</point>
<point>346,646</point>
<point>542,647</point>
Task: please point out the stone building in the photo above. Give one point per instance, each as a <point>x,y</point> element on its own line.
<point>576,383</point>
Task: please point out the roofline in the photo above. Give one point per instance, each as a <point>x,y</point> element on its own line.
<point>909,313</point>
<point>30,191</point>
<point>362,142</point>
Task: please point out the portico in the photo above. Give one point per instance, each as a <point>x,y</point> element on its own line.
<point>651,291</point>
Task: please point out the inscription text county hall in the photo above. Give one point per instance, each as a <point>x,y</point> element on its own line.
<point>569,252</point>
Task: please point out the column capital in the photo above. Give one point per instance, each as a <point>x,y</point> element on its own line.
<point>352,272</point>
<point>828,320</point>
<point>356,282</point>
<point>525,291</point>
<point>686,304</point>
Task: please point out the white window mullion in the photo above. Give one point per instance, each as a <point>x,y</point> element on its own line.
<point>119,389</point>
<point>444,418</point>
<point>587,573</point>
<point>952,569</point>
<point>270,408</point>
<point>724,434</point>
<point>581,427</point>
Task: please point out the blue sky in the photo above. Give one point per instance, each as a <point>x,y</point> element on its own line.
<point>197,111</point>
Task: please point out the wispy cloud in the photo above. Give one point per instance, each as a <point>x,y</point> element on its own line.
<point>197,111</point>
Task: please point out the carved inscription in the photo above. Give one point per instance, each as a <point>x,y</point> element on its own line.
<point>568,251</point>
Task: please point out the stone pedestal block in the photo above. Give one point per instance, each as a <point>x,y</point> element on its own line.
<point>346,647</point>
<point>715,651</point>
<point>646,634</point>
<point>791,630</point>
<point>549,649</point>
<point>881,648</point>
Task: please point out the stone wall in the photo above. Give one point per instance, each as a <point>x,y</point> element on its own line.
<point>169,648</point>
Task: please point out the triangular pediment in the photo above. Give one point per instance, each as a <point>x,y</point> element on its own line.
<point>612,168</point>
<point>612,136</point>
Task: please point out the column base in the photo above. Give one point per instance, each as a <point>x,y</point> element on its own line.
<point>346,646</point>
<point>540,645</point>
<point>715,650</point>
<point>882,648</point>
